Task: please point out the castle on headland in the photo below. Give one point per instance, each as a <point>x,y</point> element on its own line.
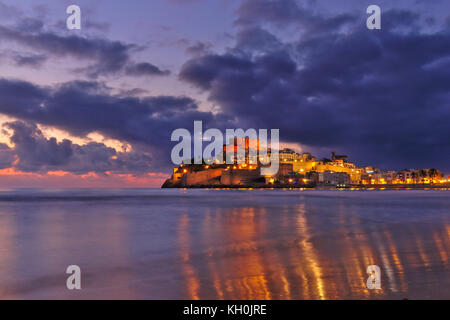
<point>297,170</point>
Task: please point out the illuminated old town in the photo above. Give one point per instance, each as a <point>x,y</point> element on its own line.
<point>299,170</point>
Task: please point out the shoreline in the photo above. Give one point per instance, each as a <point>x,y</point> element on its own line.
<point>315,187</point>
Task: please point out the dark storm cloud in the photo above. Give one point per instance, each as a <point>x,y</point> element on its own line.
<point>22,59</point>
<point>100,26</point>
<point>258,39</point>
<point>84,107</point>
<point>199,48</point>
<point>109,56</point>
<point>34,150</point>
<point>288,12</point>
<point>30,25</point>
<point>30,60</point>
<point>36,153</point>
<point>7,156</point>
<point>202,71</point>
<point>145,69</point>
<point>382,96</point>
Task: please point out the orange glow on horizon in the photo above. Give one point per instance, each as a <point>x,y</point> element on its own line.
<point>58,173</point>
<point>13,178</point>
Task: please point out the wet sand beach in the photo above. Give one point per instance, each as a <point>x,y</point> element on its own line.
<point>224,244</point>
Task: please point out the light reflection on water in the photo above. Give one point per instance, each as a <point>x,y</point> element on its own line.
<point>233,244</point>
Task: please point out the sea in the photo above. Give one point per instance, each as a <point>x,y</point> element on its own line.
<point>224,244</point>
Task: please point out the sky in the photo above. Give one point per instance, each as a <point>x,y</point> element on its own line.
<point>96,107</point>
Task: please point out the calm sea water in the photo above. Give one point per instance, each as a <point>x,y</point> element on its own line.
<point>224,244</point>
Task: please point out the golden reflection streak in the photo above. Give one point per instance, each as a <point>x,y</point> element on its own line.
<point>440,247</point>
<point>356,249</point>
<point>259,281</point>
<point>367,253</point>
<point>309,251</point>
<point>193,284</point>
<point>386,263</point>
<point>304,284</point>
<point>286,285</point>
<point>365,259</point>
<point>209,230</point>
<point>281,274</point>
<point>422,254</point>
<point>242,228</point>
<point>282,270</point>
<point>396,259</point>
<point>295,259</point>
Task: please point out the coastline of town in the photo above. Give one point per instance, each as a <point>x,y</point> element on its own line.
<point>445,186</point>
<point>298,170</point>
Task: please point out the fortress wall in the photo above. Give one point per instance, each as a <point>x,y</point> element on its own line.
<point>225,179</point>
<point>201,177</point>
<point>238,177</point>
